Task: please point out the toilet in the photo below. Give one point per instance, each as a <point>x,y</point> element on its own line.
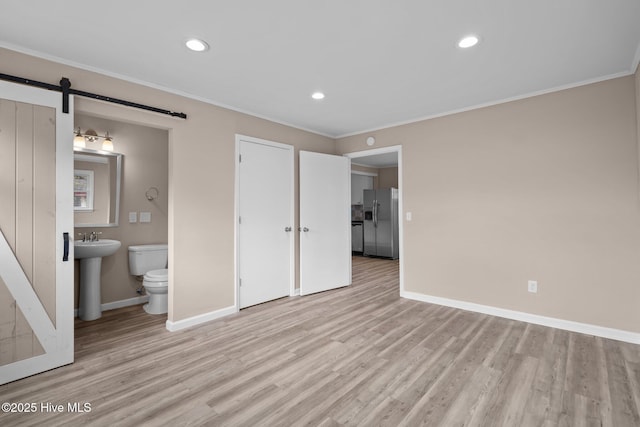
<point>150,261</point>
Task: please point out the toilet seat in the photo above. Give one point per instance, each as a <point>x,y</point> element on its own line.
<point>160,275</point>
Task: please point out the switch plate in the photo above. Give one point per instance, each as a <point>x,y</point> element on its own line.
<point>145,216</point>
<point>532,286</point>
<point>133,217</point>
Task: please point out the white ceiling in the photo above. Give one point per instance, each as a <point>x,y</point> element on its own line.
<point>379,62</point>
<point>385,160</point>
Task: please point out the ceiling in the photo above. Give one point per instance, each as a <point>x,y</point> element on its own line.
<point>384,160</point>
<point>379,62</point>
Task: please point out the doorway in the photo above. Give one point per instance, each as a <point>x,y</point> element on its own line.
<point>384,165</point>
<point>143,194</point>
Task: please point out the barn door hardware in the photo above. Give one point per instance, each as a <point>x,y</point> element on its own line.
<point>65,88</point>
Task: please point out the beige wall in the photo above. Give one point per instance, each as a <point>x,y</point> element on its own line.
<point>388,177</point>
<point>201,174</point>
<point>637,75</point>
<point>145,164</point>
<point>544,188</point>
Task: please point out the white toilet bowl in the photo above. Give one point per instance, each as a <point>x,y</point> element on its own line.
<point>156,284</point>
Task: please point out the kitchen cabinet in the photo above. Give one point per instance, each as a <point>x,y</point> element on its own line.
<point>359,183</point>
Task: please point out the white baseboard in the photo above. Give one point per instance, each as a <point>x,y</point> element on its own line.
<point>201,318</point>
<point>296,292</point>
<point>119,304</point>
<point>568,325</point>
<point>125,302</point>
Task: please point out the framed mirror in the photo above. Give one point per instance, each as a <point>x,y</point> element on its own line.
<point>97,179</point>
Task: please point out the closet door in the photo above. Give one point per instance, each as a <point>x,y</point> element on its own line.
<point>265,221</point>
<point>36,209</point>
<point>325,220</point>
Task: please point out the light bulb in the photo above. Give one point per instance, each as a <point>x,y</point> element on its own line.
<point>197,45</point>
<point>107,145</point>
<point>78,140</point>
<point>468,42</point>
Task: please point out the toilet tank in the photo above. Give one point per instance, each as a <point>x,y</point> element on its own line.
<point>143,258</point>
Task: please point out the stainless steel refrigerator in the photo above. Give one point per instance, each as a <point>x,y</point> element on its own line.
<point>381,223</point>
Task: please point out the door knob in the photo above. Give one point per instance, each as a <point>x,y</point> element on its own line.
<point>305,229</point>
<point>287,229</point>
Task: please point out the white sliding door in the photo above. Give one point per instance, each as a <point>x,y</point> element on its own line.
<point>36,208</point>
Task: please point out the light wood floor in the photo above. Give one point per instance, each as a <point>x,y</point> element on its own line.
<point>355,356</point>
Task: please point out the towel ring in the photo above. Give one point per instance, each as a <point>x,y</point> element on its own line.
<point>152,193</point>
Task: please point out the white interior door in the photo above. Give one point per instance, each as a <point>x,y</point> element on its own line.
<point>265,209</point>
<point>36,208</point>
<point>325,222</point>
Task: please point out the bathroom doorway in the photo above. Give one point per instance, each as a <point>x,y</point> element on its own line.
<point>379,168</point>
<point>143,204</point>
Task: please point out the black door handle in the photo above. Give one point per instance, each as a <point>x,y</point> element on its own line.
<point>65,252</point>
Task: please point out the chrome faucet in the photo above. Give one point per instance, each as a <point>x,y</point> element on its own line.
<point>91,237</point>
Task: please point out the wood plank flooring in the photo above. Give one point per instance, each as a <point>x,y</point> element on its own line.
<point>360,355</point>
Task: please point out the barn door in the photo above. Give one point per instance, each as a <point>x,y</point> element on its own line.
<point>36,208</point>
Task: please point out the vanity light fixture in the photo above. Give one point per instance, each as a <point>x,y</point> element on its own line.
<point>80,139</point>
<point>468,41</point>
<point>317,95</point>
<point>91,135</point>
<point>197,45</point>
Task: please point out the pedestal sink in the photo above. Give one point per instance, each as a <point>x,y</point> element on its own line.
<point>90,255</point>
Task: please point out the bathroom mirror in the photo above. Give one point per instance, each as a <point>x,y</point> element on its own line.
<point>96,189</point>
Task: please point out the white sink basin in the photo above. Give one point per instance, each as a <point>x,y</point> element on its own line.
<point>90,255</point>
<point>95,249</point>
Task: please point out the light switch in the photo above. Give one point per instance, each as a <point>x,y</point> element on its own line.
<point>133,217</point>
<point>145,216</point>
<point>409,216</point>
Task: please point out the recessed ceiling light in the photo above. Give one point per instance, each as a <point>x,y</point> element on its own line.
<point>197,45</point>
<point>317,95</point>
<point>468,41</point>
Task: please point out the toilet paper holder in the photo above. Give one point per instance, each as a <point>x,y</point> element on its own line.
<point>152,193</point>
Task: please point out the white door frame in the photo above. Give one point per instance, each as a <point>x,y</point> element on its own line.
<point>401,216</point>
<point>236,257</point>
<point>58,340</point>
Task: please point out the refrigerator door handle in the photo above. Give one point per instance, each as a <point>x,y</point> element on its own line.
<point>375,213</point>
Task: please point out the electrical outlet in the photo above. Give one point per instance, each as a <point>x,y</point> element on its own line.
<point>532,286</point>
